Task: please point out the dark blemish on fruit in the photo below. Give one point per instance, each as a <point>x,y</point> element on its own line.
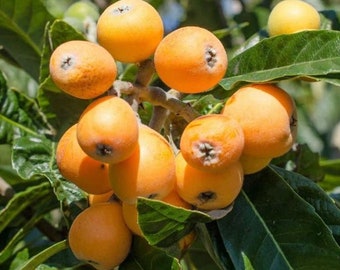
<point>104,150</point>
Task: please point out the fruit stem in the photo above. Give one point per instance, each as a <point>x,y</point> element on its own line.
<point>158,117</point>
<point>146,70</point>
<point>158,97</point>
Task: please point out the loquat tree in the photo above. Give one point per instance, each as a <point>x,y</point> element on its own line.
<point>169,134</point>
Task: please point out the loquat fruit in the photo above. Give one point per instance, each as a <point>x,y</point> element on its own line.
<point>82,69</point>
<point>149,172</point>
<point>75,165</point>
<point>191,59</point>
<point>108,130</point>
<point>208,190</point>
<point>100,237</point>
<point>212,142</point>
<point>130,30</point>
<point>267,115</point>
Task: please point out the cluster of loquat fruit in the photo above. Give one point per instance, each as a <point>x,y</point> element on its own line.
<point>115,158</point>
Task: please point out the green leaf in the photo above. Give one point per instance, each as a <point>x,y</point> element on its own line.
<point>313,54</point>
<point>41,257</point>
<point>22,200</point>
<point>332,174</point>
<point>20,115</point>
<point>163,224</point>
<point>314,195</point>
<point>301,159</point>
<point>38,210</point>
<point>22,25</point>
<point>35,157</point>
<point>276,228</point>
<point>146,257</point>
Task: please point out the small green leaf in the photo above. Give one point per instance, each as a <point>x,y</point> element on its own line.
<point>163,224</point>
<point>332,174</point>
<point>309,53</point>
<point>146,257</point>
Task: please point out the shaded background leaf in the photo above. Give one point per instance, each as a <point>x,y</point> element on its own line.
<point>145,257</point>
<point>22,38</point>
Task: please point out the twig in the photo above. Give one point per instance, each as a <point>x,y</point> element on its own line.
<point>158,97</point>
<point>6,189</point>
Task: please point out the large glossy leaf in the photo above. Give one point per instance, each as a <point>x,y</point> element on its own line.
<point>275,228</point>
<point>313,54</point>
<point>35,157</point>
<point>314,195</point>
<point>20,115</point>
<point>22,25</point>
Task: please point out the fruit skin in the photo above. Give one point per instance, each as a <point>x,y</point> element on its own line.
<point>75,165</point>
<point>108,130</point>
<point>267,115</point>
<point>208,190</point>
<point>130,30</point>
<point>99,236</point>
<point>149,172</point>
<point>212,142</point>
<point>82,69</point>
<point>99,198</point>
<point>290,16</point>
<point>252,164</point>
<point>191,59</point>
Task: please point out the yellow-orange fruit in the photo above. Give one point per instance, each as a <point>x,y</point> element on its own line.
<point>108,130</point>
<point>175,200</point>
<point>99,198</point>
<point>212,142</point>
<point>208,190</point>
<point>268,118</point>
<point>100,237</point>
<point>130,215</point>
<point>82,69</point>
<point>130,30</point>
<point>252,164</point>
<point>191,59</point>
<point>290,16</point>
<point>88,174</point>
<point>186,241</point>
<point>149,172</point>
